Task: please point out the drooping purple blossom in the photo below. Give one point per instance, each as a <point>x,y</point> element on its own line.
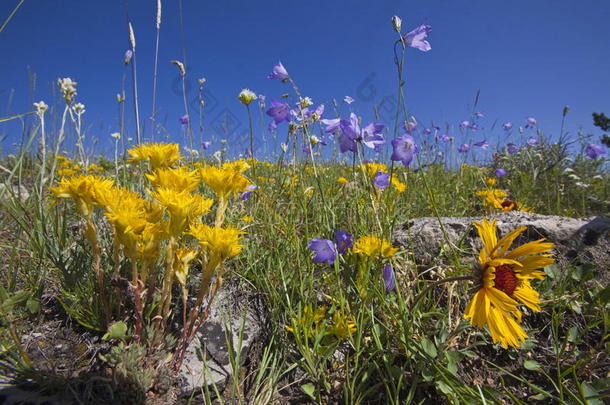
<point>324,250</point>
<point>272,126</point>
<point>479,114</point>
<point>404,149</point>
<point>350,134</point>
<point>184,120</point>
<point>348,99</point>
<point>444,137</point>
<point>205,145</point>
<point>278,72</point>
<point>410,125</point>
<point>482,144</point>
<point>318,112</point>
<point>512,148</point>
<point>474,126</point>
<point>532,141</point>
<point>417,38</point>
<point>464,124</point>
<point>530,122</point>
<point>381,180</point>
<point>372,136</point>
<point>388,278</point>
<point>331,124</point>
<point>464,148</point>
<point>594,150</point>
<point>279,111</point>
<point>427,131</point>
<point>500,173</point>
<point>507,125</point>
<point>344,240</point>
<point>249,190</point>
<point>248,153</point>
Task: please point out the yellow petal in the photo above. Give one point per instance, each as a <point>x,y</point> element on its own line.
<point>531,248</point>
<point>527,295</point>
<point>505,242</point>
<point>487,233</point>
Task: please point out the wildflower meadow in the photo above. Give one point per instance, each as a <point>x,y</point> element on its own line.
<point>112,261</point>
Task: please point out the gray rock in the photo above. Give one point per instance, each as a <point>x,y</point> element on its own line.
<point>14,191</point>
<point>579,240</point>
<point>207,358</point>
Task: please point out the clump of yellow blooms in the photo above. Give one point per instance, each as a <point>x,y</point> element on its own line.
<point>157,154</point>
<point>309,324</point>
<point>168,218</point>
<point>372,246</point>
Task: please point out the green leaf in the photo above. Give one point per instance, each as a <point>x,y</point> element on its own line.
<point>573,334</point>
<point>33,305</point>
<point>552,271</point>
<point>453,358</point>
<point>428,347</point>
<point>310,390</point>
<point>604,295</point>
<point>531,365</point>
<point>117,330</point>
<point>590,392</point>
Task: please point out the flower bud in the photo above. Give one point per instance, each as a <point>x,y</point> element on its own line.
<point>396,22</point>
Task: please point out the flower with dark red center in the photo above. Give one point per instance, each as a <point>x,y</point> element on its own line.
<point>504,281</point>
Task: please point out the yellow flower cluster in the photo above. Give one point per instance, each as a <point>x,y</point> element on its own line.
<point>372,246</point>
<point>159,155</point>
<point>311,323</point>
<point>371,170</point>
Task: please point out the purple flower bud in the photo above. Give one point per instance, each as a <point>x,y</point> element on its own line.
<point>184,119</point>
<point>507,125</point>
<point>500,173</point>
<point>348,99</point>
<point>512,148</point>
<point>278,72</point>
<point>128,55</point>
<point>479,114</point>
<point>205,145</point>
<point>464,124</point>
<point>248,191</point>
<point>530,122</point>
<point>388,278</point>
<point>532,141</point>
<point>482,144</point>
<point>427,131</point>
<point>444,137</point>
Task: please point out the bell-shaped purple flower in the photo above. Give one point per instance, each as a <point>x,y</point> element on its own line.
<point>464,124</point>
<point>249,190</point>
<point>381,180</point>
<point>348,99</point>
<point>532,141</point>
<point>417,38</point>
<point>344,240</point>
<point>507,125</point>
<point>427,131</point>
<point>512,148</point>
<point>324,250</point>
<point>184,119</point>
<point>278,72</point>
<point>404,149</point>
<point>205,145</point>
<point>593,150</point>
<point>500,173</point>
<point>464,148</point>
<point>482,144</point>
<point>331,124</point>
<point>279,111</point>
<point>530,122</point>
<point>388,278</point>
<point>372,136</point>
<point>444,137</point>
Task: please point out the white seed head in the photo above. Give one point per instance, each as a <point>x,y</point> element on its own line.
<point>67,88</point>
<point>79,108</point>
<point>158,14</point>
<point>116,135</point>
<point>306,102</point>
<point>180,66</point>
<point>284,147</point>
<point>246,96</point>
<point>41,107</point>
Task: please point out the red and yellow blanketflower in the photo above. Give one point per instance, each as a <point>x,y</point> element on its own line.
<point>504,277</point>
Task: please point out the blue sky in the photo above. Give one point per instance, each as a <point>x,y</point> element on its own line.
<point>527,58</point>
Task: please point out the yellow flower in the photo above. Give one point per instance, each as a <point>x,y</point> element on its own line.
<point>503,277</point>
<point>398,185</point>
<point>179,179</point>
<point>183,208</point>
<point>184,256</point>
<point>238,166</point>
<point>94,168</point>
<point>126,212</point>
<point>309,322</point>
<point>87,191</point>
<point>492,197</point>
<point>490,181</point>
<point>247,219</point>
<point>158,154</point>
<point>343,326</point>
<point>342,180</point>
<point>220,242</point>
<point>371,169</point>
<point>372,246</point>
<point>224,182</point>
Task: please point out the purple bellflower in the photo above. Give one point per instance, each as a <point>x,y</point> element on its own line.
<point>512,148</point>
<point>500,173</point>
<point>249,190</point>
<point>324,250</point>
<point>344,240</point>
<point>205,145</point>
<point>382,180</point>
<point>417,38</point>
<point>404,149</point>
<point>332,124</point>
<point>479,114</point>
<point>372,136</point>
<point>593,150</point>
<point>464,124</point>
<point>348,99</point>
<point>532,141</point>
<point>507,125</point>
<point>279,111</point>
<point>388,278</point>
<point>530,122</point>
<point>464,148</point>
<point>184,120</point>
<point>427,131</point>
<point>482,144</point>
<point>278,72</point>
<point>444,137</point>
